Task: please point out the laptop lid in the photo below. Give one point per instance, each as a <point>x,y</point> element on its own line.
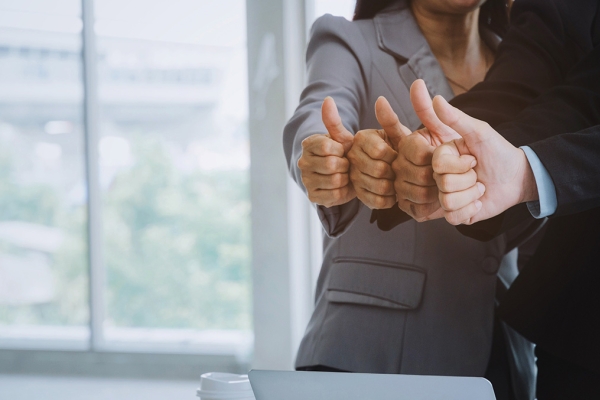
<point>301,385</point>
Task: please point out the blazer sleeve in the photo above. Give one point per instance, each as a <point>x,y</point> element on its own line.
<point>573,162</point>
<point>334,68</point>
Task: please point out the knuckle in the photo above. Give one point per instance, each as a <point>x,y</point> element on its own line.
<point>379,150</point>
<point>337,180</point>
<point>380,202</point>
<point>331,163</point>
<point>306,142</point>
<point>302,163</point>
<point>446,202</point>
<point>380,169</point>
<point>453,219</point>
<point>445,183</point>
<point>312,139</point>
<point>437,164</point>
<point>386,186</point>
<point>419,212</point>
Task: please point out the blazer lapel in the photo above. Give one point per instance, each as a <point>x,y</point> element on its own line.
<point>399,35</point>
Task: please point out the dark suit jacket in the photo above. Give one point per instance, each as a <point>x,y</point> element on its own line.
<point>555,301</point>
<point>544,91</point>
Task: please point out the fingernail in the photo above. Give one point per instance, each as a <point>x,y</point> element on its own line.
<point>478,205</point>
<point>474,163</point>
<point>481,188</point>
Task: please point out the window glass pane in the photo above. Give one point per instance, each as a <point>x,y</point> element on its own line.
<point>343,8</point>
<point>174,161</point>
<point>43,254</point>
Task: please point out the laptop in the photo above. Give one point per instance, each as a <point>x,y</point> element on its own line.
<point>301,385</point>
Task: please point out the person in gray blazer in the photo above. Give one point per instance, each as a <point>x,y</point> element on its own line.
<point>420,298</point>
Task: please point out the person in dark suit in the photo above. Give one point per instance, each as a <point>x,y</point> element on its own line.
<point>543,92</point>
<point>555,301</point>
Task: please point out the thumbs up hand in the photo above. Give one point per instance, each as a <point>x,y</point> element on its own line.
<point>371,157</point>
<point>501,178</point>
<point>324,165</point>
<point>415,187</point>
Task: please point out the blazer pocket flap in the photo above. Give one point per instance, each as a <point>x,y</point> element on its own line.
<point>389,286</point>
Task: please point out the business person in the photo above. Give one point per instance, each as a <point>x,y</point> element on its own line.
<point>420,298</point>
<point>554,301</point>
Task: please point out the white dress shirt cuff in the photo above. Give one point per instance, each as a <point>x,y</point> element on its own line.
<point>547,203</point>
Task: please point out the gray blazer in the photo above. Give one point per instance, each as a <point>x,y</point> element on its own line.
<point>418,299</point>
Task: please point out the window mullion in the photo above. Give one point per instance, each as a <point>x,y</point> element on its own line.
<point>91,123</point>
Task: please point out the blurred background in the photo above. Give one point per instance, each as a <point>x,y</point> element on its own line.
<point>148,229</point>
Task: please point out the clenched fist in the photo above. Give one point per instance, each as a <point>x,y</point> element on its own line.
<point>371,157</point>
<point>324,163</point>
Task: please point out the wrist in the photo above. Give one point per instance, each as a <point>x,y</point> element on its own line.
<point>528,185</point>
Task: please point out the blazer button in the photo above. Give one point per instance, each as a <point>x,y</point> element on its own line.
<point>490,265</point>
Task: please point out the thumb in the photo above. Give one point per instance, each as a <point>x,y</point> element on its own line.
<point>472,130</point>
<point>421,101</point>
<point>333,123</point>
<point>389,121</point>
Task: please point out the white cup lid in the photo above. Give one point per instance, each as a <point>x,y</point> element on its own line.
<point>223,383</point>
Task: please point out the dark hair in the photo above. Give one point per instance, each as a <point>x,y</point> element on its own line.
<point>493,13</point>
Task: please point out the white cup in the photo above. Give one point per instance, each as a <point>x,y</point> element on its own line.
<point>224,386</point>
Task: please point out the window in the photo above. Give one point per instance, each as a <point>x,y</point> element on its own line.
<point>173,175</point>
<point>174,170</point>
<point>43,255</point>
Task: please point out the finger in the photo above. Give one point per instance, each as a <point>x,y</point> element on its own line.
<point>415,174</point>
<point>449,183</point>
<point>417,150</point>
<point>322,145</point>
<point>464,215</point>
<point>374,145</point>
<point>389,121</point>
<point>451,164</point>
<point>318,181</point>
<point>420,212</point>
<point>324,165</point>
<point>381,187</point>
<point>423,106</point>
<point>458,200</point>
<point>375,168</point>
<point>417,194</point>
<point>447,159</point>
<point>374,201</point>
<point>333,124</point>
<point>465,125</point>
<point>334,197</point>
